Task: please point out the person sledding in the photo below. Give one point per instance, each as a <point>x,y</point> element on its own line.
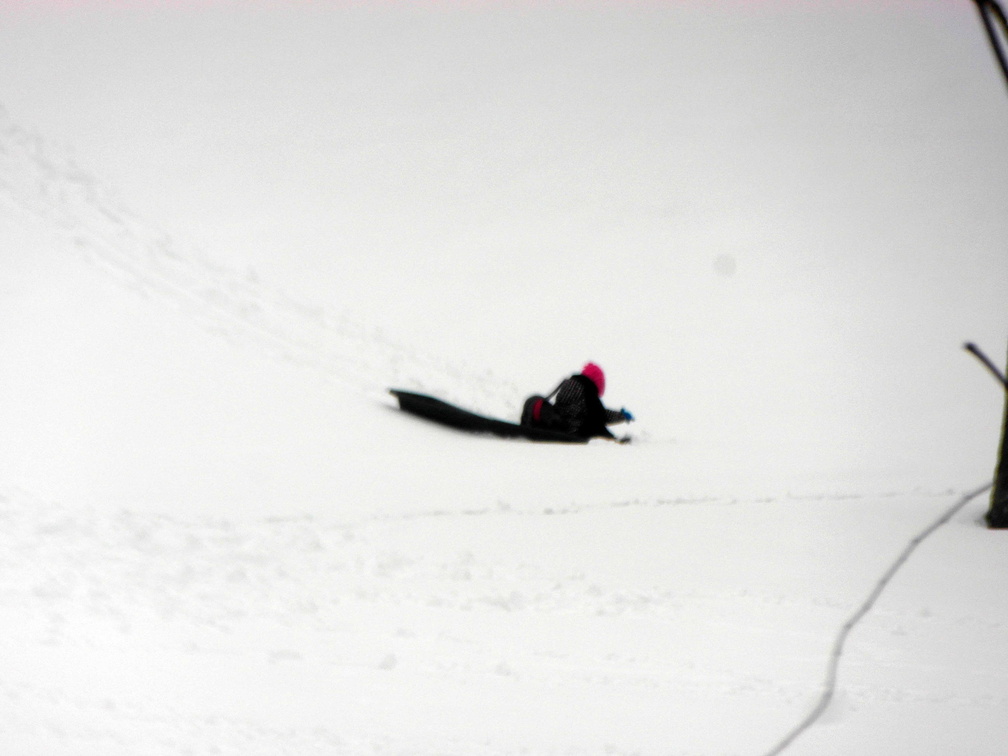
<point>577,408</point>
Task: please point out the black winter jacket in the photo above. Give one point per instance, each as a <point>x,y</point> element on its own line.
<point>577,400</point>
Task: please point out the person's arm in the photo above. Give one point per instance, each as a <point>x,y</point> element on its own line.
<point>612,417</point>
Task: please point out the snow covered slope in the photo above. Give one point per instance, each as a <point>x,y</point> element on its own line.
<point>225,232</point>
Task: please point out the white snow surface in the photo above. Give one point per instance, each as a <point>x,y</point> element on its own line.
<point>226,229</point>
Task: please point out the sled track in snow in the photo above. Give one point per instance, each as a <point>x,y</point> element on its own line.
<point>87,216</point>
<point>836,655</point>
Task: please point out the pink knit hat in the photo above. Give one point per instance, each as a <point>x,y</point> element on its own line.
<point>595,374</point>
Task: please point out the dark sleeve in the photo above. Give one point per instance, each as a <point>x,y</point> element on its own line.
<point>613,416</point>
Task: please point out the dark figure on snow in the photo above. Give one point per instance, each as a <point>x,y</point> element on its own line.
<point>578,407</point>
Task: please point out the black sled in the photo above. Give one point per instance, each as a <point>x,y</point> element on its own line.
<point>452,416</point>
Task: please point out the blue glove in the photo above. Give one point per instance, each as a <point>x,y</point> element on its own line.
<point>626,415</point>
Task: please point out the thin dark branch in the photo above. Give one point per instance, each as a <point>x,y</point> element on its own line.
<point>993,17</point>
<point>976,352</point>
